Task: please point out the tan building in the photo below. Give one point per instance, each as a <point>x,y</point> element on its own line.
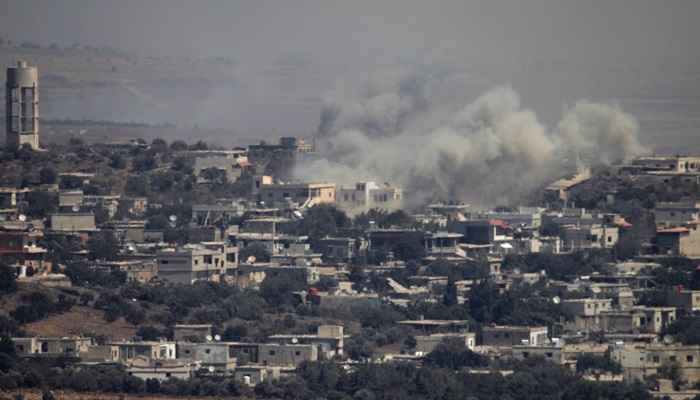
<point>199,332</point>
<point>128,352</point>
<point>639,319</point>
<point>72,222</point>
<point>366,196</point>
<point>688,301</point>
<point>677,213</point>
<point>643,360</point>
<point>427,343</point>
<point>499,335</point>
<point>70,198</point>
<point>52,346</point>
<point>209,354</point>
<point>209,261</point>
<point>300,194</point>
<point>679,241</point>
<point>329,340</point>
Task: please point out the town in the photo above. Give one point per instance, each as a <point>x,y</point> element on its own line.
<point>135,266</point>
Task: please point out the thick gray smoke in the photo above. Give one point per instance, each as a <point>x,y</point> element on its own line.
<point>492,150</point>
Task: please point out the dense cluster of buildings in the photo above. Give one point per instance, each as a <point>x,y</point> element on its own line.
<point>464,238</point>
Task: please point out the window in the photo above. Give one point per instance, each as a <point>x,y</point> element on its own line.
<point>672,358</point>
<point>548,355</point>
<point>168,374</point>
<point>272,352</point>
<point>525,354</point>
<point>689,359</point>
<point>187,352</point>
<point>656,359</point>
<point>20,347</point>
<point>207,351</point>
<point>297,353</point>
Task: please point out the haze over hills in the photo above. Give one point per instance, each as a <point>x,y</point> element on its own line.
<point>260,69</point>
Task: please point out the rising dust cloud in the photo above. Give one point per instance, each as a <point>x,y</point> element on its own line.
<point>491,150</point>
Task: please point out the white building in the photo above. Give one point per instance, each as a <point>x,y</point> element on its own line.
<point>369,195</point>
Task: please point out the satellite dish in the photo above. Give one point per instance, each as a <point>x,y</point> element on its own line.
<point>211,369</point>
<point>217,338</point>
<point>173,218</point>
<point>76,208</point>
<point>295,340</point>
<point>22,217</point>
<point>556,300</point>
<point>251,260</point>
<point>209,338</point>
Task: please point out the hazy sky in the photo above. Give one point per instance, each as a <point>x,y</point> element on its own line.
<point>639,53</point>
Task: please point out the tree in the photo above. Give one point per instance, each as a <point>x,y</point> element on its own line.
<point>159,145</point>
<point>322,220</point>
<point>137,185</point>
<point>149,333</point>
<point>587,362</point>
<point>200,145</point>
<point>277,290</point>
<point>450,297</point>
<point>103,246</point>
<point>8,279</point>
<point>116,161</point>
<point>41,203</point>
<point>235,333</point>
<point>454,354</point>
<point>47,175</point>
<point>178,145</point>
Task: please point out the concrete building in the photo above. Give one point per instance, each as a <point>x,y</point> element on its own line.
<point>303,195</point>
<point>679,241</point>
<point>186,332</point>
<point>162,370</point>
<point>272,354</point>
<point>481,231</point>
<point>444,246</point>
<point>427,343</point>
<point>72,222</point>
<point>68,199</point>
<point>329,340</point>
<point>231,162</point>
<point>51,346</point>
<point>586,307</point>
<point>576,237</point>
<point>638,319</point>
<point>208,261</point>
<point>22,246</point>
<point>128,352</point>
<point>643,360</point>
<point>499,335</point>
<point>340,248</point>
<point>557,353</point>
<point>688,301</point>
<point>676,213</point>
<point>22,106</point>
<point>365,196</point>
<point>672,164</point>
<point>210,354</point>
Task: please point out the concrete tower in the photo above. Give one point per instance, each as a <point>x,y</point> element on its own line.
<point>22,106</point>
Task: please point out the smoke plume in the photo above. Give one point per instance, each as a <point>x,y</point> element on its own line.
<point>492,150</point>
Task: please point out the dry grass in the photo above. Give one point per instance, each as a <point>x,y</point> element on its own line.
<point>81,321</point>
